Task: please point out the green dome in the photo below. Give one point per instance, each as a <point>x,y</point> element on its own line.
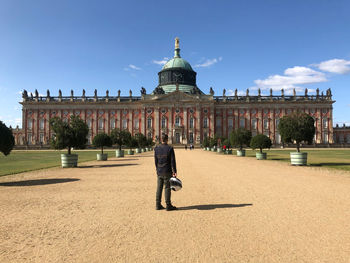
<point>177,62</point>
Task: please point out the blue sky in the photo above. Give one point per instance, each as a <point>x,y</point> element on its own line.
<point>122,44</point>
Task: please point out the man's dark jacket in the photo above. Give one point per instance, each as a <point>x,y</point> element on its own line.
<point>164,157</point>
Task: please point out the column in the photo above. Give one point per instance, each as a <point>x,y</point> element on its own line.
<point>170,132</point>
<point>143,121</point>
<point>156,120</point>
<point>185,141</point>
<point>330,126</point>
<point>272,126</point>
<point>224,122</point>
<point>96,123</point>
<point>129,116</point>
<point>211,121</point>
<point>198,131</point>
<point>260,122</point>
<point>107,128</point>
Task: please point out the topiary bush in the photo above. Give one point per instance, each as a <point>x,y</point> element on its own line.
<point>102,140</point>
<point>240,138</point>
<point>297,128</point>
<point>7,141</point>
<point>141,140</point>
<point>261,142</point>
<point>206,142</point>
<point>120,137</point>
<point>69,135</point>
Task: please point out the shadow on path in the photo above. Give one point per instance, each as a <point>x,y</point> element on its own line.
<point>329,164</point>
<point>121,159</point>
<point>40,182</point>
<point>211,207</point>
<point>106,165</point>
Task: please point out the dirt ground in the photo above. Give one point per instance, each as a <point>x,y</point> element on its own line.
<point>232,209</point>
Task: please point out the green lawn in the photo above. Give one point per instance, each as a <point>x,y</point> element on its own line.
<point>23,161</point>
<point>329,158</point>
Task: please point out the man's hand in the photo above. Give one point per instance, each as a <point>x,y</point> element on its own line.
<point>174,174</point>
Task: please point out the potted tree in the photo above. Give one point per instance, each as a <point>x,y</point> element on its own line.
<point>141,141</point>
<point>240,138</point>
<point>206,143</point>
<point>102,140</point>
<point>131,143</point>
<point>120,138</point>
<point>150,144</point>
<point>260,142</point>
<point>7,141</point>
<point>227,145</point>
<point>297,128</point>
<point>69,135</point>
<point>213,143</point>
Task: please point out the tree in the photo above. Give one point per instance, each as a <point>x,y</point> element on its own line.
<point>131,142</point>
<point>102,140</point>
<point>206,142</point>
<point>227,143</point>
<point>69,135</point>
<point>261,142</point>
<point>7,141</point>
<point>297,128</point>
<point>141,140</point>
<point>240,138</point>
<point>120,137</point>
<point>213,141</point>
<point>150,142</point>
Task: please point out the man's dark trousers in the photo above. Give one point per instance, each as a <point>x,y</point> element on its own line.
<point>163,179</point>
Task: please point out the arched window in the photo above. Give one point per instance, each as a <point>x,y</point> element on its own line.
<point>191,122</point>
<point>242,122</point>
<point>254,124</point>
<point>100,124</point>
<point>205,122</point>
<point>325,123</point>
<point>30,124</point>
<point>125,124</point>
<point>112,123</point>
<point>163,122</point>
<point>41,124</point>
<point>149,123</point>
<point>266,124</point>
<point>177,121</point>
<point>89,122</point>
<point>136,123</point>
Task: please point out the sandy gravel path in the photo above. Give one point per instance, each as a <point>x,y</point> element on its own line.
<point>231,210</point>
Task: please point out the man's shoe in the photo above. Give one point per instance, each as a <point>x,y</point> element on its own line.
<point>171,208</point>
<point>159,207</point>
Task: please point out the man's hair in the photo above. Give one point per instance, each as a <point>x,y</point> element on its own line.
<point>164,137</point>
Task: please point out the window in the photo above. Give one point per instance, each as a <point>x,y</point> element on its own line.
<point>191,122</point>
<point>205,122</point>
<point>136,123</point>
<point>218,122</point>
<point>112,123</point>
<point>348,138</point>
<point>277,122</point>
<point>29,139</point>
<point>266,124</point>
<point>149,135</point>
<point>325,137</point>
<point>163,122</point>
<point>341,138</point>
<point>242,123</point>
<point>177,121</point>
<point>230,125</point>
<point>30,124</point>
<point>149,123</point>
<point>100,124</point>
<point>254,124</point>
<point>191,137</point>
<point>41,138</point>
<point>125,124</point>
<point>325,123</point>
<point>41,124</point>
<point>89,123</point>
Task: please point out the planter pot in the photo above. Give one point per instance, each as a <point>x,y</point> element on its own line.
<point>138,150</point>
<point>119,153</point>
<point>240,152</point>
<point>143,150</point>
<point>150,149</point>
<point>208,148</point>
<point>69,160</point>
<point>219,150</point>
<point>102,157</point>
<point>260,156</point>
<point>213,149</point>
<point>130,152</point>
<point>228,152</point>
<point>298,158</point>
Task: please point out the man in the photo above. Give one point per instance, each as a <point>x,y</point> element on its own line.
<point>164,158</point>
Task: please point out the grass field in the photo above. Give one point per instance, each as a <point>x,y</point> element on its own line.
<point>329,158</point>
<point>23,161</point>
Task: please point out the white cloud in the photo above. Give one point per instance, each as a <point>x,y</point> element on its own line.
<point>131,66</point>
<point>160,62</point>
<point>208,62</point>
<point>339,66</point>
<point>292,78</point>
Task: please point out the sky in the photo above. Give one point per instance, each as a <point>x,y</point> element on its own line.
<point>76,45</point>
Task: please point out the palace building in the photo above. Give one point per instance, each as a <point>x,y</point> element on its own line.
<point>177,107</point>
